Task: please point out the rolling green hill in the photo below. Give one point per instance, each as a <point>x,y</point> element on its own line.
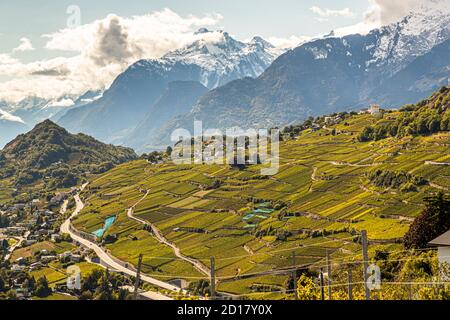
<point>330,187</point>
<point>51,156</point>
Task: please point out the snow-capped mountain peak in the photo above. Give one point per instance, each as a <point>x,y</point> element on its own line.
<point>426,26</point>
<point>258,41</point>
<point>223,58</point>
<point>202,31</point>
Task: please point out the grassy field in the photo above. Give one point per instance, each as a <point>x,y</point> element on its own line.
<point>56,297</point>
<point>37,247</point>
<point>56,274</point>
<point>322,199</point>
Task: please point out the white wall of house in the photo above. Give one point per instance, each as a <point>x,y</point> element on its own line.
<point>444,254</point>
<point>444,258</point>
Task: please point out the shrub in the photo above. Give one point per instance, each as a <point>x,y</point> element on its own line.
<point>434,220</point>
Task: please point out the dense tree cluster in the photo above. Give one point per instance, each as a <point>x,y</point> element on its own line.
<point>102,285</point>
<point>201,288</point>
<point>42,288</point>
<point>24,281</point>
<point>293,131</point>
<point>4,221</point>
<point>60,159</point>
<point>434,221</point>
<point>428,117</point>
<point>396,180</point>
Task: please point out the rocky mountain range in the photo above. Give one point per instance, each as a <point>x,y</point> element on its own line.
<point>226,83</point>
<point>211,62</point>
<point>394,65</point>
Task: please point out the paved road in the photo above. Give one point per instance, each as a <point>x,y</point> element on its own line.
<point>142,293</point>
<point>108,261</point>
<point>197,264</point>
<point>16,245</point>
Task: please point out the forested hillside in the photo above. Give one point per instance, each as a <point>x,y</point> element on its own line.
<point>51,155</point>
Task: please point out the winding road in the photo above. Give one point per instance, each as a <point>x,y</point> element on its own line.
<point>107,260</point>
<point>197,264</point>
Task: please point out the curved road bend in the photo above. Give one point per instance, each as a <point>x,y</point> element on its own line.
<point>197,264</point>
<point>107,260</point>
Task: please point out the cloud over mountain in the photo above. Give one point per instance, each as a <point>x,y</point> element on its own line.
<point>384,12</point>
<point>327,13</point>
<point>388,11</point>
<point>9,117</point>
<point>113,45</point>
<point>102,50</point>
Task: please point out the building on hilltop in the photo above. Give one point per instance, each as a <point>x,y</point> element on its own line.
<point>375,110</point>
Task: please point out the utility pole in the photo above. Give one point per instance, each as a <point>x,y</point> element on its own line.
<point>350,284</point>
<point>322,289</point>
<point>366,262</point>
<point>294,276</point>
<point>31,201</point>
<point>410,289</point>
<point>329,274</point>
<point>213,279</point>
<point>138,278</point>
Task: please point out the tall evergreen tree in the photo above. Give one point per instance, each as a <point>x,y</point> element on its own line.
<point>434,221</point>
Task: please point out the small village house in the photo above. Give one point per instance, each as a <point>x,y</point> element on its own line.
<point>375,110</point>
<point>442,243</point>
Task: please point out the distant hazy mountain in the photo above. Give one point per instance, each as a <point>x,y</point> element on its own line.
<point>177,99</point>
<point>212,62</point>
<point>419,78</point>
<point>33,110</point>
<point>10,127</point>
<point>88,97</point>
<point>393,65</point>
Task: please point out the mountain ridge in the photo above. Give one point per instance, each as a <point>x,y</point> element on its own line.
<point>132,94</point>
<point>333,74</point>
<point>49,153</point>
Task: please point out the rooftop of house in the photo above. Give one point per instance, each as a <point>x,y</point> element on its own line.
<point>441,241</point>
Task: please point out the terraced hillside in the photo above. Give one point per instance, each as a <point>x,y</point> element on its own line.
<point>330,186</point>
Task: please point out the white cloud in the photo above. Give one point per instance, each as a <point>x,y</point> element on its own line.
<point>385,12</point>
<point>7,59</point>
<point>9,117</point>
<point>327,13</point>
<point>25,45</point>
<point>155,33</point>
<point>102,50</point>
<point>61,103</point>
<point>15,68</point>
<point>288,43</point>
<point>388,11</point>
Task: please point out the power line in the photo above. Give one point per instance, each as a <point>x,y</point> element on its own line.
<point>285,270</point>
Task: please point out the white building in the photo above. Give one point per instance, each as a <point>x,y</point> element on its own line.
<point>374,110</point>
<point>46,259</point>
<point>443,245</point>
<point>55,237</point>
